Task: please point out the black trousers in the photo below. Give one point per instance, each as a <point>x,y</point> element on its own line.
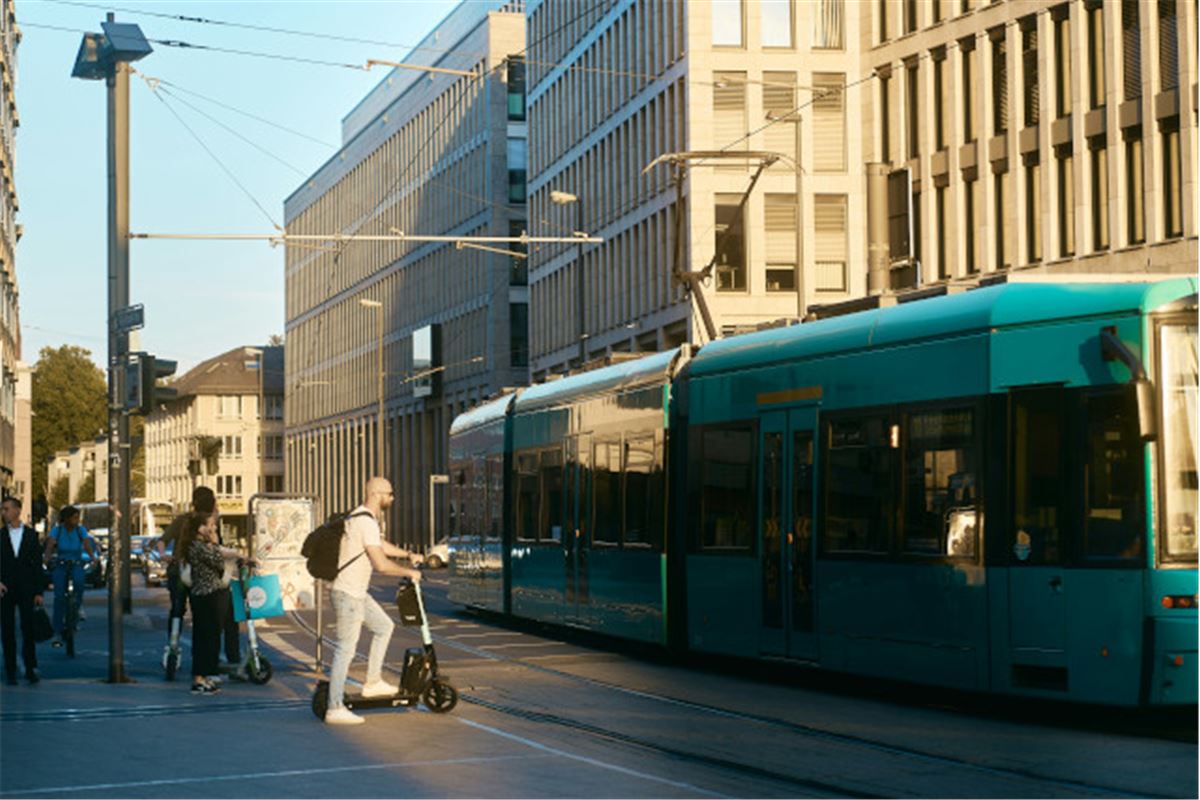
<point>229,628</point>
<point>10,604</point>
<point>206,633</point>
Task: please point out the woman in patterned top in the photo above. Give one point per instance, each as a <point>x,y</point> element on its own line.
<point>198,547</point>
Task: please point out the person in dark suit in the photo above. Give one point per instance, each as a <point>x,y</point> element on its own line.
<point>22,582</point>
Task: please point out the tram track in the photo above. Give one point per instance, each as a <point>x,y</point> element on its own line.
<point>809,732</point>
<point>117,712</point>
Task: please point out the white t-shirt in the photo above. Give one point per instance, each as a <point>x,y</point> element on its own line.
<point>362,531</point>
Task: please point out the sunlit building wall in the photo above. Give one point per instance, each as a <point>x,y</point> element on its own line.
<point>14,428</point>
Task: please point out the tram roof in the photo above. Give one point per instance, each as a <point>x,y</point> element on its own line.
<point>482,414</point>
<point>655,367</point>
<point>1006,305</point>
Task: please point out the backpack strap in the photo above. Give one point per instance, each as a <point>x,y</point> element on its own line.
<point>364,551</point>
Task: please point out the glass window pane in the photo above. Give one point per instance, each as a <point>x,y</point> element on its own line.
<point>941,498</point>
<point>727,23</point>
<point>1114,476</point>
<point>776,23</point>
<point>552,495</point>
<point>772,530</point>
<point>859,489</point>
<point>1180,441</point>
<point>606,493</point>
<point>727,498</point>
<point>1039,424</point>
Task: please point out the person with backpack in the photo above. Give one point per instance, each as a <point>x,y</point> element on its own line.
<point>68,540</point>
<point>362,551</point>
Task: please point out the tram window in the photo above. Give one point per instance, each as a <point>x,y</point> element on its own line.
<point>940,494</point>
<point>726,488</point>
<point>552,496</point>
<point>1180,446</point>
<point>527,496</point>
<point>457,479</point>
<point>859,497</point>
<point>643,493</point>
<point>606,492</point>
<point>1038,480</point>
<point>495,496</point>
<point>1113,478</point>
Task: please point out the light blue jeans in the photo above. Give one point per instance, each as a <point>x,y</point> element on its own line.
<point>351,613</point>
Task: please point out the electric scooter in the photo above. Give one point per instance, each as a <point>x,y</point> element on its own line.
<point>419,678</point>
<point>254,666</point>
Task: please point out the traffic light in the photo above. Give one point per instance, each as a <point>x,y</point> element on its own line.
<point>142,392</point>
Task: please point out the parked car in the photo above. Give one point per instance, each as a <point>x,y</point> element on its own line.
<point>95,570</point>
<point>154,568</point>
<point>438,555</point>
<point>138,545</point>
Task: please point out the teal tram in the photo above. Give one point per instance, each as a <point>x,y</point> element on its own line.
<point>994,491</point>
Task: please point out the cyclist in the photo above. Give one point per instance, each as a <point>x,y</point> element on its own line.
<point>67,540</point>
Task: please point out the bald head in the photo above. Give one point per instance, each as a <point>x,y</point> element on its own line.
<point>379,493</point>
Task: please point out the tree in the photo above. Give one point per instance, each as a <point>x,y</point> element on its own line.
<point>87,489</point>
<point>60,495</point>
<point>70,406</point>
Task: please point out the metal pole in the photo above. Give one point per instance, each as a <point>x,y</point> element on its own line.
<point>432,514</point>
<point>118,422</point>
<point>379,366</point>
<point>579,305</point>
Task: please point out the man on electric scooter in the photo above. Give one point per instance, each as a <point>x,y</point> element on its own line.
<point>363,550</point>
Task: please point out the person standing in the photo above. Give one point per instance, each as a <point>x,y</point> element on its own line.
<point>200,549</point>
<point>68,540</point>
<point>204,503</point>
<point>363,550</point>
<point>21,584</point>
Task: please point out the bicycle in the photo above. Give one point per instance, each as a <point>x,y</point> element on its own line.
<point>74,595</point>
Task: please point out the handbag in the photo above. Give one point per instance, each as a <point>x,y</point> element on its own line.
<point>185,574</point>
<point>43,629</point>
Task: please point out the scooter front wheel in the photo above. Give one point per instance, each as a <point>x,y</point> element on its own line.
<point>260,674</point>
<point>320,700</point>
<point>440,697</point>
<point>171,663</point>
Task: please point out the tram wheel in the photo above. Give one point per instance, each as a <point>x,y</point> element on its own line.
<point>320,701</point>
<point>440,697</point>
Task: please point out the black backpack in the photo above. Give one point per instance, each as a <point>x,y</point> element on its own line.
<point>322,547</point>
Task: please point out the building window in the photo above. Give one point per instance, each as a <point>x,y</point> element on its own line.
<point>229,406</point>
<point>273,484</point>
<point>727,23</point>
<point>516,88</point>
<point>729,111</point>
<point>1168,46</point>
<point>940,222</point>
<point>969,189</point>
<point>939,99</point>
<point>1029,70</point>
<point>779,103</point>
<point>777,23</point>
<point>1096,83</point>
<point>518,334</point>
<point>999,87</point>
<point>273,451</point>
<point>1172,194</point>
<point>885,118</point>
<point>1135,187</point>
<point>935,11</point>
<point>1062,67</point>
<point>882,9</point>
<point>229,485</point>
<point>519,273</point>
<point>274,406</point>
<point>1066,204</point>
<point>914,110</point>
<point>1098,155</point>
<point>829,227</point>
<point>910,16</point>
<point>516,170</point>
<point>231,446</point>
<point>829,122</point>
<point>730,243</point>
<point>968,92</point>
<point>779,211</point>
<point>1033,212</point>
<point>829,25</point>
<point>1131,49</point>
<point>1001,211</point>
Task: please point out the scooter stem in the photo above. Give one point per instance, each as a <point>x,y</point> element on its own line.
<point>426,635</point>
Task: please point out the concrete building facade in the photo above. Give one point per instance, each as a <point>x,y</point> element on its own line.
<point>14,429</point>
<point>224,431</point>
<point>423,329</point>
<point>614,84</point>
<point>1044,136</point>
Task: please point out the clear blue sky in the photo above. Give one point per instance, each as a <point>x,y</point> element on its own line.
<point>201,298</point>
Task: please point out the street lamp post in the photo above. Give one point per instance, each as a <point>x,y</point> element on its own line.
<point>106,56</point>
<point>566,199</point>
<point>378,308</point>
<point>262,419</point>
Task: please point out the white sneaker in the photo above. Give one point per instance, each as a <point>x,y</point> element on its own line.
<point>379,688</point>
<point>342,716</point>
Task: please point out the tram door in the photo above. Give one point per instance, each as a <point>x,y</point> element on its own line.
<point>577,534</point>
<point>786,504</point>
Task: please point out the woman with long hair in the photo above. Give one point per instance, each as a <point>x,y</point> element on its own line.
<point>199,548</point>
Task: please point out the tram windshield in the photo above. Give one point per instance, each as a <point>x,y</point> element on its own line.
<point>1180,441</point>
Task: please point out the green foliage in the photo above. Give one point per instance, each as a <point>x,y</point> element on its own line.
<point>69,406</point>
<point>87,489</point>
<point>60,492</point>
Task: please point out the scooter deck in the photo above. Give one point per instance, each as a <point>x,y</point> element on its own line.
<point>353,701</point>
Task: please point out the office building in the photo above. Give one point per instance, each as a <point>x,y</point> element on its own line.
<point>14,427</point>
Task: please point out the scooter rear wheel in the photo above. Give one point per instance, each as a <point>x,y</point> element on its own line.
<point>440,697</point>
<point>320,701</point>
<point>262,674</point>
<point>171,664</point>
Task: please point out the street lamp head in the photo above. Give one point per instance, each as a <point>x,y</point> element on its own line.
<point>100,52</point>
<point>562,198</point>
